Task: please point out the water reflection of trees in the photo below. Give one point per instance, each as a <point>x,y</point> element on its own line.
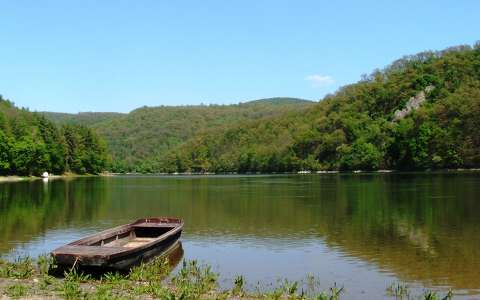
<point>28,209</point>
<point>421,227</point>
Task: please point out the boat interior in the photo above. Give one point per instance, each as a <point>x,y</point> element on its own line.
<point>135,236</point>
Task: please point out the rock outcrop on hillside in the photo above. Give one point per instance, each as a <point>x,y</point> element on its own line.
<point>413,104</point>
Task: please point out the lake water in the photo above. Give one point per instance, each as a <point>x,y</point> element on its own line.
<point>362,231</point>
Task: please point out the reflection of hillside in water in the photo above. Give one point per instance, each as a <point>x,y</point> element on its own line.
<point>418,226</point>
<point>29,209</point>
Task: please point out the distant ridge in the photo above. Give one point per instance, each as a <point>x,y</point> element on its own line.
<point>100,116</point>
<point>83,118</point>
<point>137,139</point>
<point>279,100</point>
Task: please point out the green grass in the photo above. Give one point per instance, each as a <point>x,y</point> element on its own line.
<point>21,268</point>
<point>71,290</point>
<point>157,269</point>
<point>16,291</point>
<point>154,280</point>
<point>194,280</point>
<point>45,263</point>
<point>46,282</point>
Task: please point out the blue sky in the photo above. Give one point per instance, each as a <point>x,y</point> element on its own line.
<point>81,55</point>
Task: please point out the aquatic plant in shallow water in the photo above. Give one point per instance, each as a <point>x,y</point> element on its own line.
<point>238,285</point>
<point>334,294</point>
<point>399,291</point>
<point>431,295</point>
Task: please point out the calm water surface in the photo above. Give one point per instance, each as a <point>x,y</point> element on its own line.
<point>363,231</point>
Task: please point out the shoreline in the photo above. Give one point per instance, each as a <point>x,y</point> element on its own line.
<point>14,178</point>
<point>34,279</point>
<point>303,172</point>
<point>17,178</point>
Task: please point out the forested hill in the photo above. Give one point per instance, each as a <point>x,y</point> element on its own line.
<point>421,112</point>
<point>139,139</point>
<point>277,101</point>
<point>30,145</point>
<point>83,118</point>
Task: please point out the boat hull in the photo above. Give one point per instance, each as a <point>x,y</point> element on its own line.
<point>122,247</point>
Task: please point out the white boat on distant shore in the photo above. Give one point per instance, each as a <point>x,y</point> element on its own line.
<point>45,175</point>
<point>327,171</point>
<point>304,172</point>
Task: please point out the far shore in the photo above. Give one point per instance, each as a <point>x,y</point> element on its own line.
<point>16,178</point>
<point>302,172</point>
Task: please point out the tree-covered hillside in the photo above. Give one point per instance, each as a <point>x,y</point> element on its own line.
<point>30,144</point>
<point>421,112</point>
<point>83,118</point>
<point>139,139</point>
<point>361,126</point>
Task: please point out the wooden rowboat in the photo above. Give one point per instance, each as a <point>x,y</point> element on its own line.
<point>121,247</point>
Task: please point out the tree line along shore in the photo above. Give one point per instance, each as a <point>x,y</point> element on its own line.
<point>30,145</point>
